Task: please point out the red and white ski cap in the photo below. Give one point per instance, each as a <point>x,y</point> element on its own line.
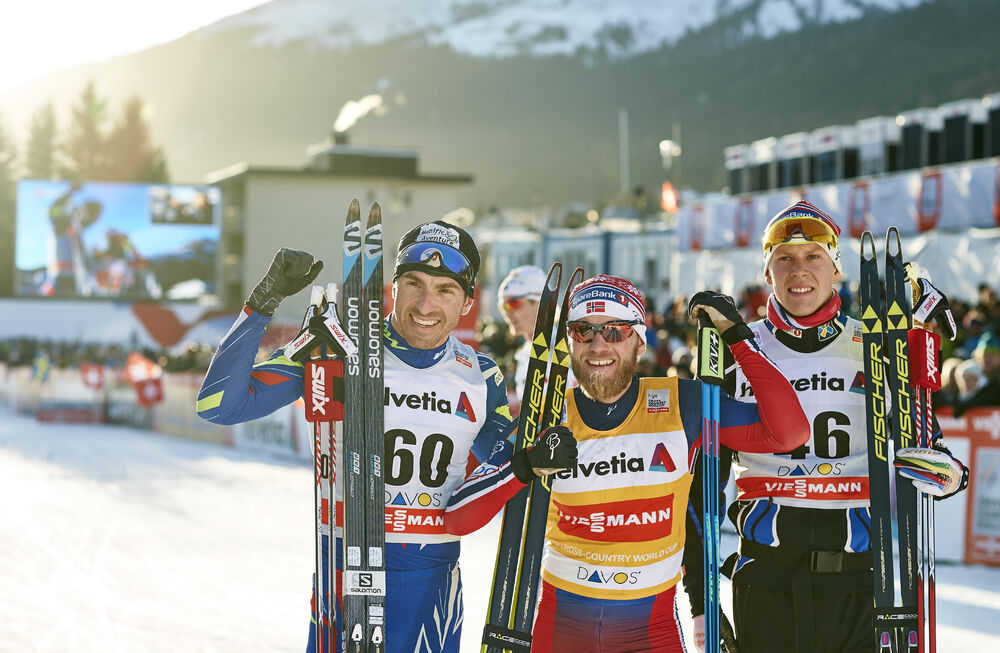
<point>605,295</point>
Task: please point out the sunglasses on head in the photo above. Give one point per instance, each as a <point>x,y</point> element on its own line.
<point>797,230</point>
<point>612,332</point>
<point>436,258</point>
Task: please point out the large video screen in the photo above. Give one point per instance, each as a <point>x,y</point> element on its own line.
<point>116,241</point>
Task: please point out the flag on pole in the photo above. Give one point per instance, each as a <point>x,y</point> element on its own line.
<point>93,375</point>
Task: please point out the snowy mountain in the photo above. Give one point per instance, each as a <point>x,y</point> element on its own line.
<point>525,94</point>
<point>504,28</point>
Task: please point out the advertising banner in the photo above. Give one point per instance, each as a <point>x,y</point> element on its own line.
<point>982,526</point>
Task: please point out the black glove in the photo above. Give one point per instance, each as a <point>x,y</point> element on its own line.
<point>290,272</point>
<point>554,450</point>
<point>727,635</point>
<point>725,305</point>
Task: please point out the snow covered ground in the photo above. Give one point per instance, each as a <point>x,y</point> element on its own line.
<point>118,540</point>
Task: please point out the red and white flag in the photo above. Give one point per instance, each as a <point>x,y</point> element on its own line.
<point>93,375</point>
<point>144,375</point>
<point>139,368</point>
<point>149,392</point>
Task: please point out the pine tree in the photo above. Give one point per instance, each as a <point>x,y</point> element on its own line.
<point>8,201</point>
<point>86,144</point>
<point>131,151</point>
<point>8,172</point>
<point>40,153</point>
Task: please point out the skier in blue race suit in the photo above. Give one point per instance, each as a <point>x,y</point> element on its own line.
<point>445,409</point>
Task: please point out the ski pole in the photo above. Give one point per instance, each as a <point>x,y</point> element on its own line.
<point>711,373</point>
<point>925,374</point>
<point>311,347</point>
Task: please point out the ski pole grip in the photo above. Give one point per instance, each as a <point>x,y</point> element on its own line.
<point>710,367</point>
<point>316,296</point>
<point>925,350</point>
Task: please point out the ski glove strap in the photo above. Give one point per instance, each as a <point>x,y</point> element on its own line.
<point>721,309</point>
<point>321,328</point>
<point>291,270</point>
<point>929,303</point>
<point>932,471</point>
<point>554,450</point>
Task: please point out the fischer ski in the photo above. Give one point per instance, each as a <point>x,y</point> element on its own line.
<point>887,365</point>
<point>897,325</point>
<point>363,602</point>
<point>538,501</point>
<point>878,447</point>
<point>514,594</point>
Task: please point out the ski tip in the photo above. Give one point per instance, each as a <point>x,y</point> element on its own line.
<point>554,277</point>
<point>375,213</point>
<point>892,244</point>
<point>354,211</point>
<point>867,243</point>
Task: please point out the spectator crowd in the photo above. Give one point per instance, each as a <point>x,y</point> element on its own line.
<point>970,365</point>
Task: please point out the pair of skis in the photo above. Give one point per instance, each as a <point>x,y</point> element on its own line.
<point>363,605</point>
<point>350,356</point>
<point>899,417</point>
<point>711,372</point>
<point>514,594</point>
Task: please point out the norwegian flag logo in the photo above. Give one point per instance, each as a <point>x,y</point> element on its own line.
<point>595,307</point>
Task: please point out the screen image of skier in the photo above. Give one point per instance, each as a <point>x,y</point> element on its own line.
<point>100,240</point>
<point>70,265</point>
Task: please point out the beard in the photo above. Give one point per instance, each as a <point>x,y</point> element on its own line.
<point>607,389</point>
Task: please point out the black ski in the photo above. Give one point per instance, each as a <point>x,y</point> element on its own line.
<point>353,603</point>
<point>886,358</point>
<point>878,446</point>
<point>374,433</point>
<point>897,320</point>
<point>497,634</point>
<point>364,504</point>
<point>526,588</point>
<point>514,594</point>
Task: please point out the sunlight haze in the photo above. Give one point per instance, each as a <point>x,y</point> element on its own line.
<point>45,35</point>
